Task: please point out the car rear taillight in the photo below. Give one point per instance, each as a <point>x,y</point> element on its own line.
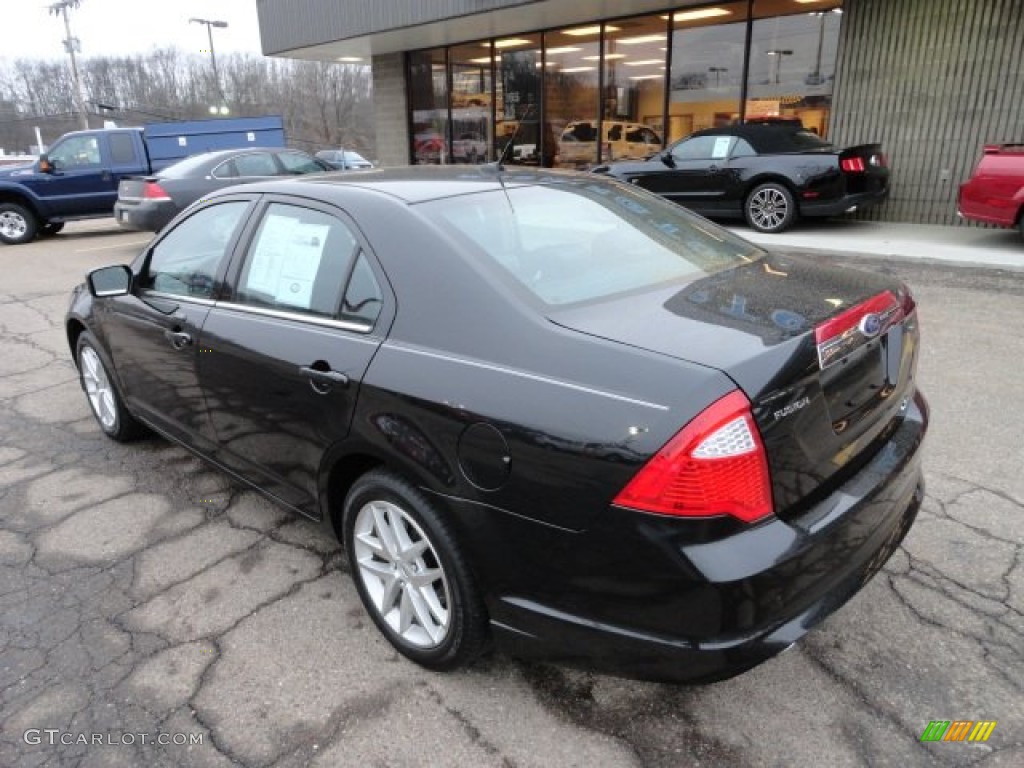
<point>853,164</point>
<point>153,191</point>
<point>715,465</point>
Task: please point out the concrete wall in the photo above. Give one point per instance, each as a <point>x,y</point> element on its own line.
<point>932,80</point>
<point>391,111</point>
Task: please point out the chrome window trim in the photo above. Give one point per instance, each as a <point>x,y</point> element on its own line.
<point>178,297</point>
<point>301,317</point>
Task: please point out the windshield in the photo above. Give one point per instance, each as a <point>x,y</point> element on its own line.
<point>580,241</point>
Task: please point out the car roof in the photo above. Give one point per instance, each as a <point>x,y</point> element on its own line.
<point>420,183</point>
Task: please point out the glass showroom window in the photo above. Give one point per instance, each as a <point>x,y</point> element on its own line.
<point>793,62</point>
<point>517,134</point>
<point>428,100</point>
<point>472,103</point>
<point>707,67</point>
<point>572,75</point>
<point>634,87</point>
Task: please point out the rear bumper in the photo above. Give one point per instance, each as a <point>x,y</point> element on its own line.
<point>844,204</point>
<point>976,203</point>
<point>146,215</point>
<point>696,611</point>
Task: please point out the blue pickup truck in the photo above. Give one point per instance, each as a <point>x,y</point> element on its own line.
<point>78,177</point>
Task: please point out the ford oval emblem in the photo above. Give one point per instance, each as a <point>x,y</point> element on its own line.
<point>870,325</point>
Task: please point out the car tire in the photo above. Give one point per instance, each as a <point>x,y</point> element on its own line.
<point>770,208</point>
<point>17,224</point>
<point>411,574</point>
<point>49,229</point>
<point>101,392</point>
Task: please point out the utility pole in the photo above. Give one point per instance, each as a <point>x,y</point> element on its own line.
<point>71,46</point>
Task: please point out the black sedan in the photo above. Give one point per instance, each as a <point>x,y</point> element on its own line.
<point>769,173</point>
<point>150,202</point>
<point>543,409</point>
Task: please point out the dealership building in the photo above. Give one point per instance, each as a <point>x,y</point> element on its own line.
<point>568,83</point>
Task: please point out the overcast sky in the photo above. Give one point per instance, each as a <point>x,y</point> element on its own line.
<point>126,27</point>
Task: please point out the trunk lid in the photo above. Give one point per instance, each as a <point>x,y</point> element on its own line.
<point>825,355</point>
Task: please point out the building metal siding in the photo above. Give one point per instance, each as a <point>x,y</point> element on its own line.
<point>932,80</point>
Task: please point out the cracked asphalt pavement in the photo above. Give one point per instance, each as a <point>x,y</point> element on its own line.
<point>143,593</point>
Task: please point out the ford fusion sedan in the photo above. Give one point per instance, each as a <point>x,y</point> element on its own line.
<point>150,202</point>
<point>770,173</point>
<point>544,411</point>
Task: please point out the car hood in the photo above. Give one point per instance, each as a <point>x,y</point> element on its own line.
<point>8,171</point>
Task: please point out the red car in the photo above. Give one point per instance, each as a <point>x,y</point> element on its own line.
<point>995,193</point>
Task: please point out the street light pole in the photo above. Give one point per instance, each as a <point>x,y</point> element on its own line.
<point>210,24</point>
<point>778,61</point>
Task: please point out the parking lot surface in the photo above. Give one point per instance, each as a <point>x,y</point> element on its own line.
<point>147,598</point>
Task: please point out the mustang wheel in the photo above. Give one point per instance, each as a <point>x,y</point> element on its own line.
<point>113,418</point>
<point>17,224</point>
<point>770,208</point>
<point>410,573</point>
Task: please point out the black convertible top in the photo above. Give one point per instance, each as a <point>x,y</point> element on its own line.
<point>772,138</point>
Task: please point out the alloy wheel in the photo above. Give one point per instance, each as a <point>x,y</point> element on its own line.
<point>768,208</point>
<point>402,574</point>
<point>98,388</point>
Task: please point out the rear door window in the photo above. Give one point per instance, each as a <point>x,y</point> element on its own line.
<point>256,164</point>
<point>301,260</point>
<point>298,163</point>
<point>122,149</point>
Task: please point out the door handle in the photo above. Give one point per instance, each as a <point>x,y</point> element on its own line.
<point>178,339</point>
<point>323,378</point>
<point>713,168</point>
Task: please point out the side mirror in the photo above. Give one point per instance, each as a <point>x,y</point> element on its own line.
<point>45,166</point>
<point>110,281</point>
<point>667,159</point>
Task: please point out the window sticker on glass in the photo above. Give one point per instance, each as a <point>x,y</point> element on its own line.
<point>286,259</point>
<point>721,148</point>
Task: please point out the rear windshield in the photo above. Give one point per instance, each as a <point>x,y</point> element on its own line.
<point>576,242</point>
<point>185,168</point>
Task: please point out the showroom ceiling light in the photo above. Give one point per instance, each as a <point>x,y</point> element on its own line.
<point>578,69</point>
<point>643,63</point>
<point>700,13</point>
<point>510,42</point>
<point>660,38</point>
<point>564,49</point>
<point>583,31</point>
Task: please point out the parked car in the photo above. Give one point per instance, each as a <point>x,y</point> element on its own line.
<point>609,432</point>
<point>150,202</point>
<point>770,173</point>
<point>344,159</point>
<point>578,143</point>
<point>78,177</point>
<point>995,192</point>
<point>470,147</point>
